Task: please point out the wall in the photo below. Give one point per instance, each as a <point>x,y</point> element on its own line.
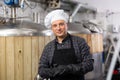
<point>103,5</point>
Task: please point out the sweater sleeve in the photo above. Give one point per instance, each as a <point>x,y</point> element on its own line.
<point>45,70</point>
<point>86,64</point>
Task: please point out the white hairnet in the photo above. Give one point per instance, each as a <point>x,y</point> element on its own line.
<point>58,14</point>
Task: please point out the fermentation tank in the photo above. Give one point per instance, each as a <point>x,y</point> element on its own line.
<point>22,42</point>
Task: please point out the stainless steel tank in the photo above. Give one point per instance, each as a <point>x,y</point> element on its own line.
<point>25,28</point>
<point>19,28</point>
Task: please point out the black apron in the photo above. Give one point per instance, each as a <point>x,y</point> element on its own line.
<point>65,57</point>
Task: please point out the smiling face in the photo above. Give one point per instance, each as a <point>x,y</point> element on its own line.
<point>59,28</point>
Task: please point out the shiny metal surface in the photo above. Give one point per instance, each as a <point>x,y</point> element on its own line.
<point>18,29</point>
<point>77,28</point>
<point>23,28</point>
<point>97,73</point>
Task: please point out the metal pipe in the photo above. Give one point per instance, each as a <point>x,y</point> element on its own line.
<point>4,11</point>
<point>75,11</point>
<point>22,4</point>
<point>71,1</point>
<point>13,14</point>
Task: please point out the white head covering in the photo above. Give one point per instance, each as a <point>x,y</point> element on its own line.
<point>58,14</point>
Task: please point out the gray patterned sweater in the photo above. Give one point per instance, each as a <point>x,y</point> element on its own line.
<point>82,52</point>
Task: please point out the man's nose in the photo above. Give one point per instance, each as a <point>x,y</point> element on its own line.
<point>58,26</point>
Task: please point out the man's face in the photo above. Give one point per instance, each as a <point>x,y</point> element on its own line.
<point>59,28</point>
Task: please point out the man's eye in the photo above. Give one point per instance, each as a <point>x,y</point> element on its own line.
<point>61,24</point>
<point>54,25</point>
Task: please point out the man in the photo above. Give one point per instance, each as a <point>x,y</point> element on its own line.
<point>67,57</point>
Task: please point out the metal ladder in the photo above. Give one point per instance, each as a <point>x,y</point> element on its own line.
<point>116,46</point>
